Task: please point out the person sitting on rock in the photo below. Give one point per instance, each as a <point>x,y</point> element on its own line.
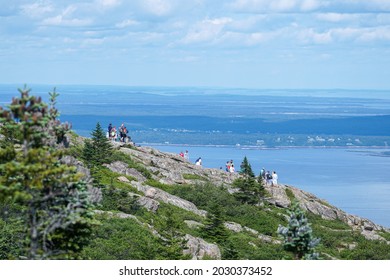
<point>199,161</point>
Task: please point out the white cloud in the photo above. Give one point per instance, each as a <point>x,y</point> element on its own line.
<point>109,3</point>
<point>66,19</point>
<point>158,7</point>
<point>277,5</point>
<point>37,9</point>
<point>207,30</point>
<point>337,17</point>
<point>309,35</point>
<point>344,6</point>
<point>375,34</point>
<point>127,23</point>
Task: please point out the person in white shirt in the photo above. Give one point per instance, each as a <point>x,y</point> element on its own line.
<point>274,179</point>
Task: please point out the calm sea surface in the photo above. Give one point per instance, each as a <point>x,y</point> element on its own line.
<point>354,180</point>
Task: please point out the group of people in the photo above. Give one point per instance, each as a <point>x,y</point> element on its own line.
<point>122,133</point>
<point>185,155</point>
<point>268,177</point>
<point>230,166</point>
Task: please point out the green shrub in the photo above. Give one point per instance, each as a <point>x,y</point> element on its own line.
<point>122,239</point>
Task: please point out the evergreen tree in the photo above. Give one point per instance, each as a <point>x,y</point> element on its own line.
<point>246,169</point>
<point>248,187</point>
<point>298,236</point>
<point>98,149</point>
<point>214,228</point>
<point>173,239</point>
<point>54,201</point>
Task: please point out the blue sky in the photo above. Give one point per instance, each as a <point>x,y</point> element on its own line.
<point>233,43</point>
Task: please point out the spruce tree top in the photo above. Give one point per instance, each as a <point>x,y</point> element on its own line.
<point>246,168</point>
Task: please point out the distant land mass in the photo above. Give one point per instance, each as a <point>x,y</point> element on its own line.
<point>225,116</point>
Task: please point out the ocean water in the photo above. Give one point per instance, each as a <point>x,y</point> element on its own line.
<point>354,180</point>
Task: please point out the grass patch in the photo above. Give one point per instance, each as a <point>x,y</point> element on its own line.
<point>290,194</point>
<point>106,177</point>
<point>161,186</point>
<point>385,235</point>
<point>193,177</point>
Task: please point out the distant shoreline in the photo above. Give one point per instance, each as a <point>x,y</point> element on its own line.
<point>242,147</point>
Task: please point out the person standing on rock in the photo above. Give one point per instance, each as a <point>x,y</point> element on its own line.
<point>109,130</point>
<point>268,178</point>
<point>186,155</point>
<point>274,179</point>
<point>262,173</point>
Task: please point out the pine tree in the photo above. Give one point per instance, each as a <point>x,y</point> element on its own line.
<point>98,149</point>
<point>246,169</point>
<point>54,201</point>
<point>298,235</point>
<point>214,228</point>
<point>172,237</point>
<point>248,187</point>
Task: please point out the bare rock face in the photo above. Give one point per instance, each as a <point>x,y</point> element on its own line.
<point>149,203</point>
<point>199,249</point>
<point>151,192</point>
<point>278,196</point>
<point>95,194</point>
<point>317,206</point>
<point>123,168</point>
<point>233,226</point>
<point>171,168</point>
<point>157,194</point>
<point>123,179</point>
<point>71,161</point>
<point>193,224</point>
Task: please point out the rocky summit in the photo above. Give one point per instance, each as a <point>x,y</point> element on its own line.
<point>155,179</point>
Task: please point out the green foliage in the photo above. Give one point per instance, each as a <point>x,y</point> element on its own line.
<point>204,196</point>
<point>55,207</point>
<point>368,250</point>
<point>12,231</point>
<point>385,235</point>
<point>246,168</point>
<point>214,228</point>
<point>122,239</point>
<point>250,190</point>
<point>119,156</point>
<point>193,177</point>
<point>297,235</point>
<point>254,217</point>
<point>98,149</point>
<point>119,200</point>
<point>173,238</point>
<point>251,248</point>
<point>290,194</point>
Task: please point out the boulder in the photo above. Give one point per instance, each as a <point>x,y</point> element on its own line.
<point>157,194</point>
<point>124,169</point>
<point>198,249</point>
<point>233,226</point>
<point>193,224</point>
<point>148,203</point>
<point>123,179</point>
